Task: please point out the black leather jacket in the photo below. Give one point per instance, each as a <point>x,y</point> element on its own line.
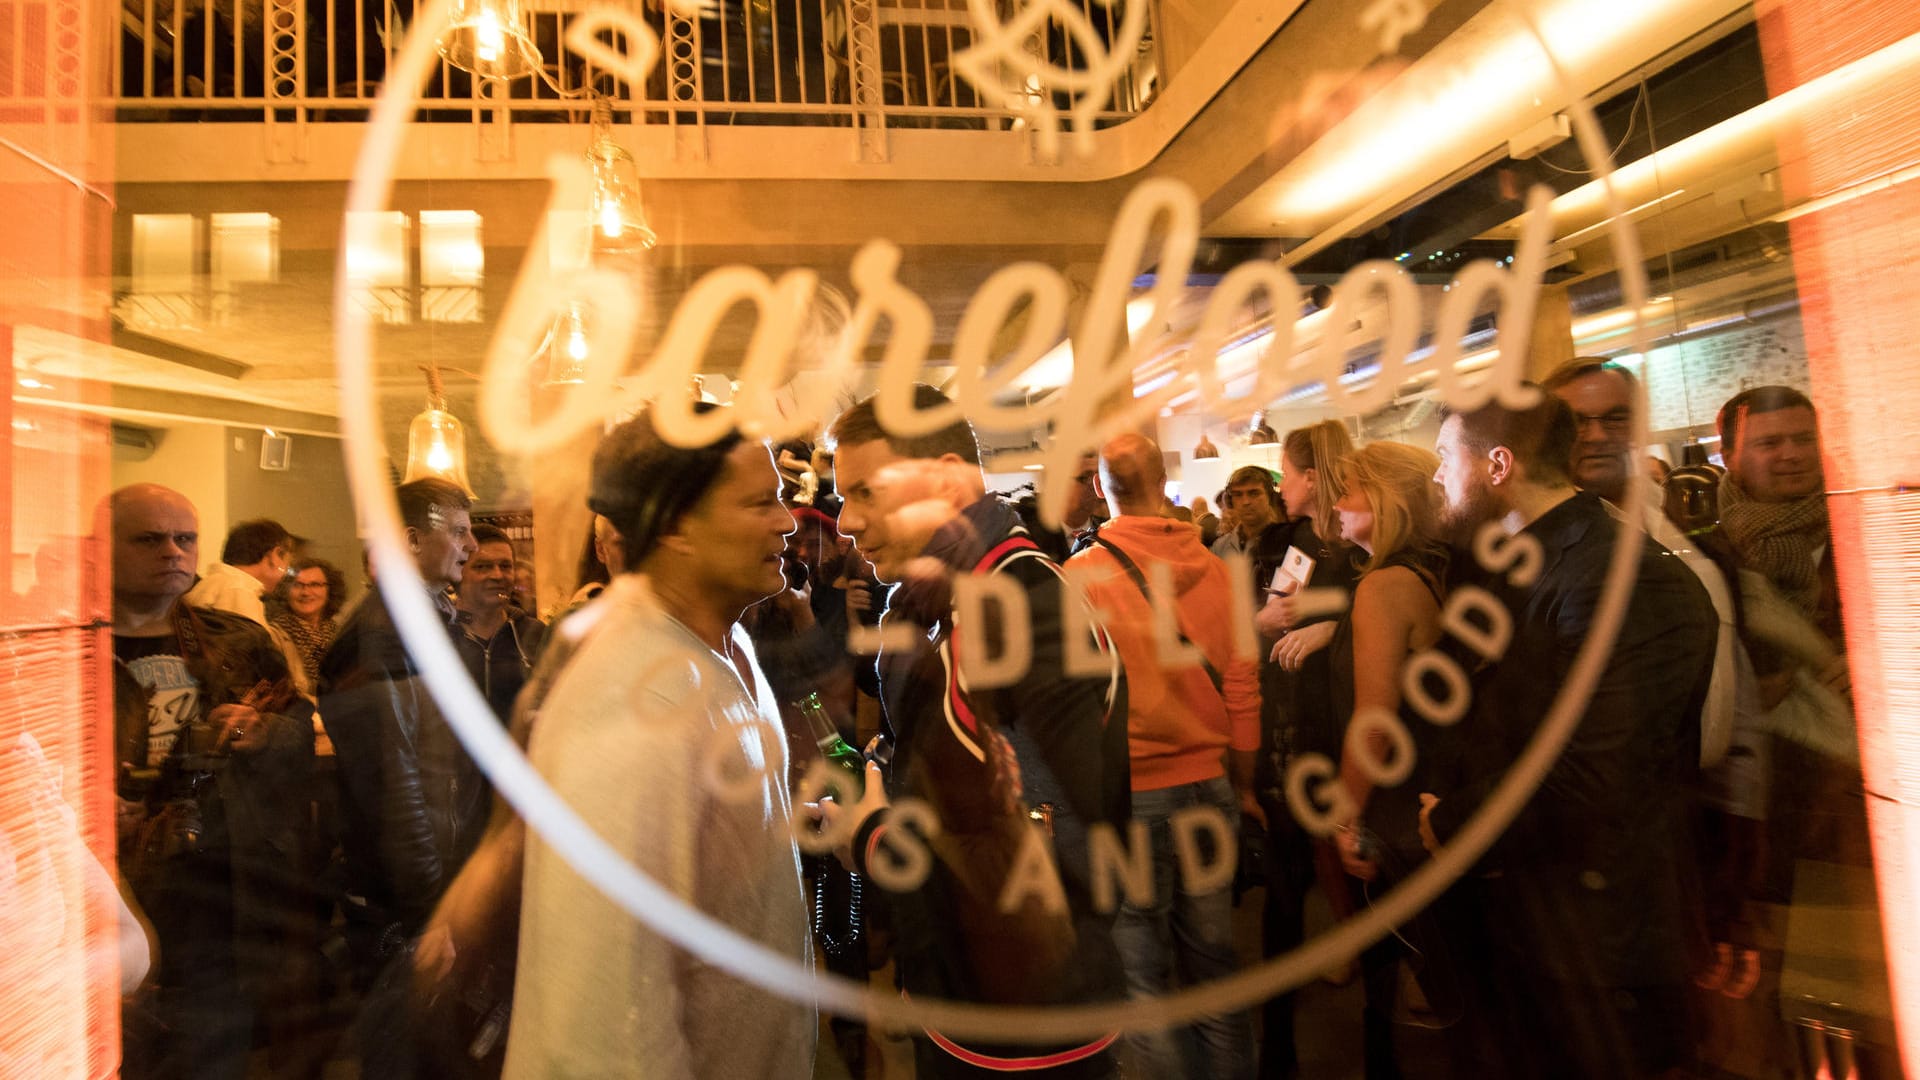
<point>413,803</point>
<point>257,808</point>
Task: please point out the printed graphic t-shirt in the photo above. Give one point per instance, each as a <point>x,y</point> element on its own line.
<point>174,701</point>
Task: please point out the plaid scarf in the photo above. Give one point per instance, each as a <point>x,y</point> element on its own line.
<point>1778,539</point>
<point>311,642</point>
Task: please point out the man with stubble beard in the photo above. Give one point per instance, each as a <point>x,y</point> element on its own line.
<point>498,641</point>
<point>1580,902</point>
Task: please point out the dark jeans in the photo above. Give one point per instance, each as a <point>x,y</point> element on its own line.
<point>1183,938</point>
<point>1283,925</point>
<point>1290,875</point>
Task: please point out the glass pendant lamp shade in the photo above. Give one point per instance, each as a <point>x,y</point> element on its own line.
<point>567,348</point>
<point>437,446</point>
<point>619,221</point>
<point>487,39</point>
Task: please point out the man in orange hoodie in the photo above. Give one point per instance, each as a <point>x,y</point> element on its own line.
<point>1193,722</point>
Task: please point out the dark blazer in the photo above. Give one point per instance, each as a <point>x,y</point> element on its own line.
<point>1586,886</point>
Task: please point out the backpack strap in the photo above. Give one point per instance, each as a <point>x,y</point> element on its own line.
<point>1021,546</point>
<point>1140,580</point>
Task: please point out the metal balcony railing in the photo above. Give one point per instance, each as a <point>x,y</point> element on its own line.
<point>768,62</point>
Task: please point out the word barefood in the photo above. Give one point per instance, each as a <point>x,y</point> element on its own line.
<point>1158,225</point>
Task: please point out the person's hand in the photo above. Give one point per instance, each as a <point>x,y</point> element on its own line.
<point>434,954</point>
<point>1251,810</point>
<point>239,728</point>
<point>1836,675</point>
<point>859,597</point>
<point>1276,616</point>
<point>1427,839</point>
<point>126,813</point>
<point>797,605</point>
<point>1347,843</point>
<point>1295,646</point>
<point>842,823</point>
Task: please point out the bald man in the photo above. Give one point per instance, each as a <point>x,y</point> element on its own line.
<point>215,756</point>
<point>1193,729</point>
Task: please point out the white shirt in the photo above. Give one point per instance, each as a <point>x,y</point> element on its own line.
<point>634,728</point>
<point>229,588</point>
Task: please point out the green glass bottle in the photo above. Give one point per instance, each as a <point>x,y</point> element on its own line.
<point>836,750</point>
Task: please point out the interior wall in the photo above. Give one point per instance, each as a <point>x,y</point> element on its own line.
<point>310,498</point>
<point>1688,382</point>
<point>188,460</point>
<point>1179,435</point>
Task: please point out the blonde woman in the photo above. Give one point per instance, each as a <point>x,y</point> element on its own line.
<point>1297,715</point>
<point>1309,486</point>
<point>1389,510</point>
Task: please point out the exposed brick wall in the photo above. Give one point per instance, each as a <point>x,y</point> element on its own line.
<point>1689,381</point>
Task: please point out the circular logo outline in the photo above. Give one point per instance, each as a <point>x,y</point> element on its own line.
<point>589,855</point>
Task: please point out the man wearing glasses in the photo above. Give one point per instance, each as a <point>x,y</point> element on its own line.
<point>1600,393</point>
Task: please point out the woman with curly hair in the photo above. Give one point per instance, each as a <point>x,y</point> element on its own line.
<point>313,597</point>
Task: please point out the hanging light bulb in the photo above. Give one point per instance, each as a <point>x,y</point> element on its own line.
<point>486,38</point>
<point>437,446</point>
<point>439,457</point>
<point>436,441</point>
<point>489,40</point>
<point>567,348</point>
<point>619,221</point>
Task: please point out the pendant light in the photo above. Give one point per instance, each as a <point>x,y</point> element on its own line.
<point>619,221</point>
<point>436,441</point>
<point>487,39</point>
<point>566,351</point>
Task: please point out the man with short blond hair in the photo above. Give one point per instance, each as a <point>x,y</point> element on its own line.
<point>1046,751</point>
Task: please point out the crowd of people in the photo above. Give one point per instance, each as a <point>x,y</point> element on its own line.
<point>1082,747</point>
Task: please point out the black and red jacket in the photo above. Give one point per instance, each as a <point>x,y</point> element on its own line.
<point>1048,752</point>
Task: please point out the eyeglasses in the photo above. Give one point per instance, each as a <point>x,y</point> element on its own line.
<point>298,584</point>
<point>1613,421</point>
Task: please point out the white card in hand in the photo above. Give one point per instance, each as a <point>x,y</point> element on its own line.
<point>1292,573</point>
